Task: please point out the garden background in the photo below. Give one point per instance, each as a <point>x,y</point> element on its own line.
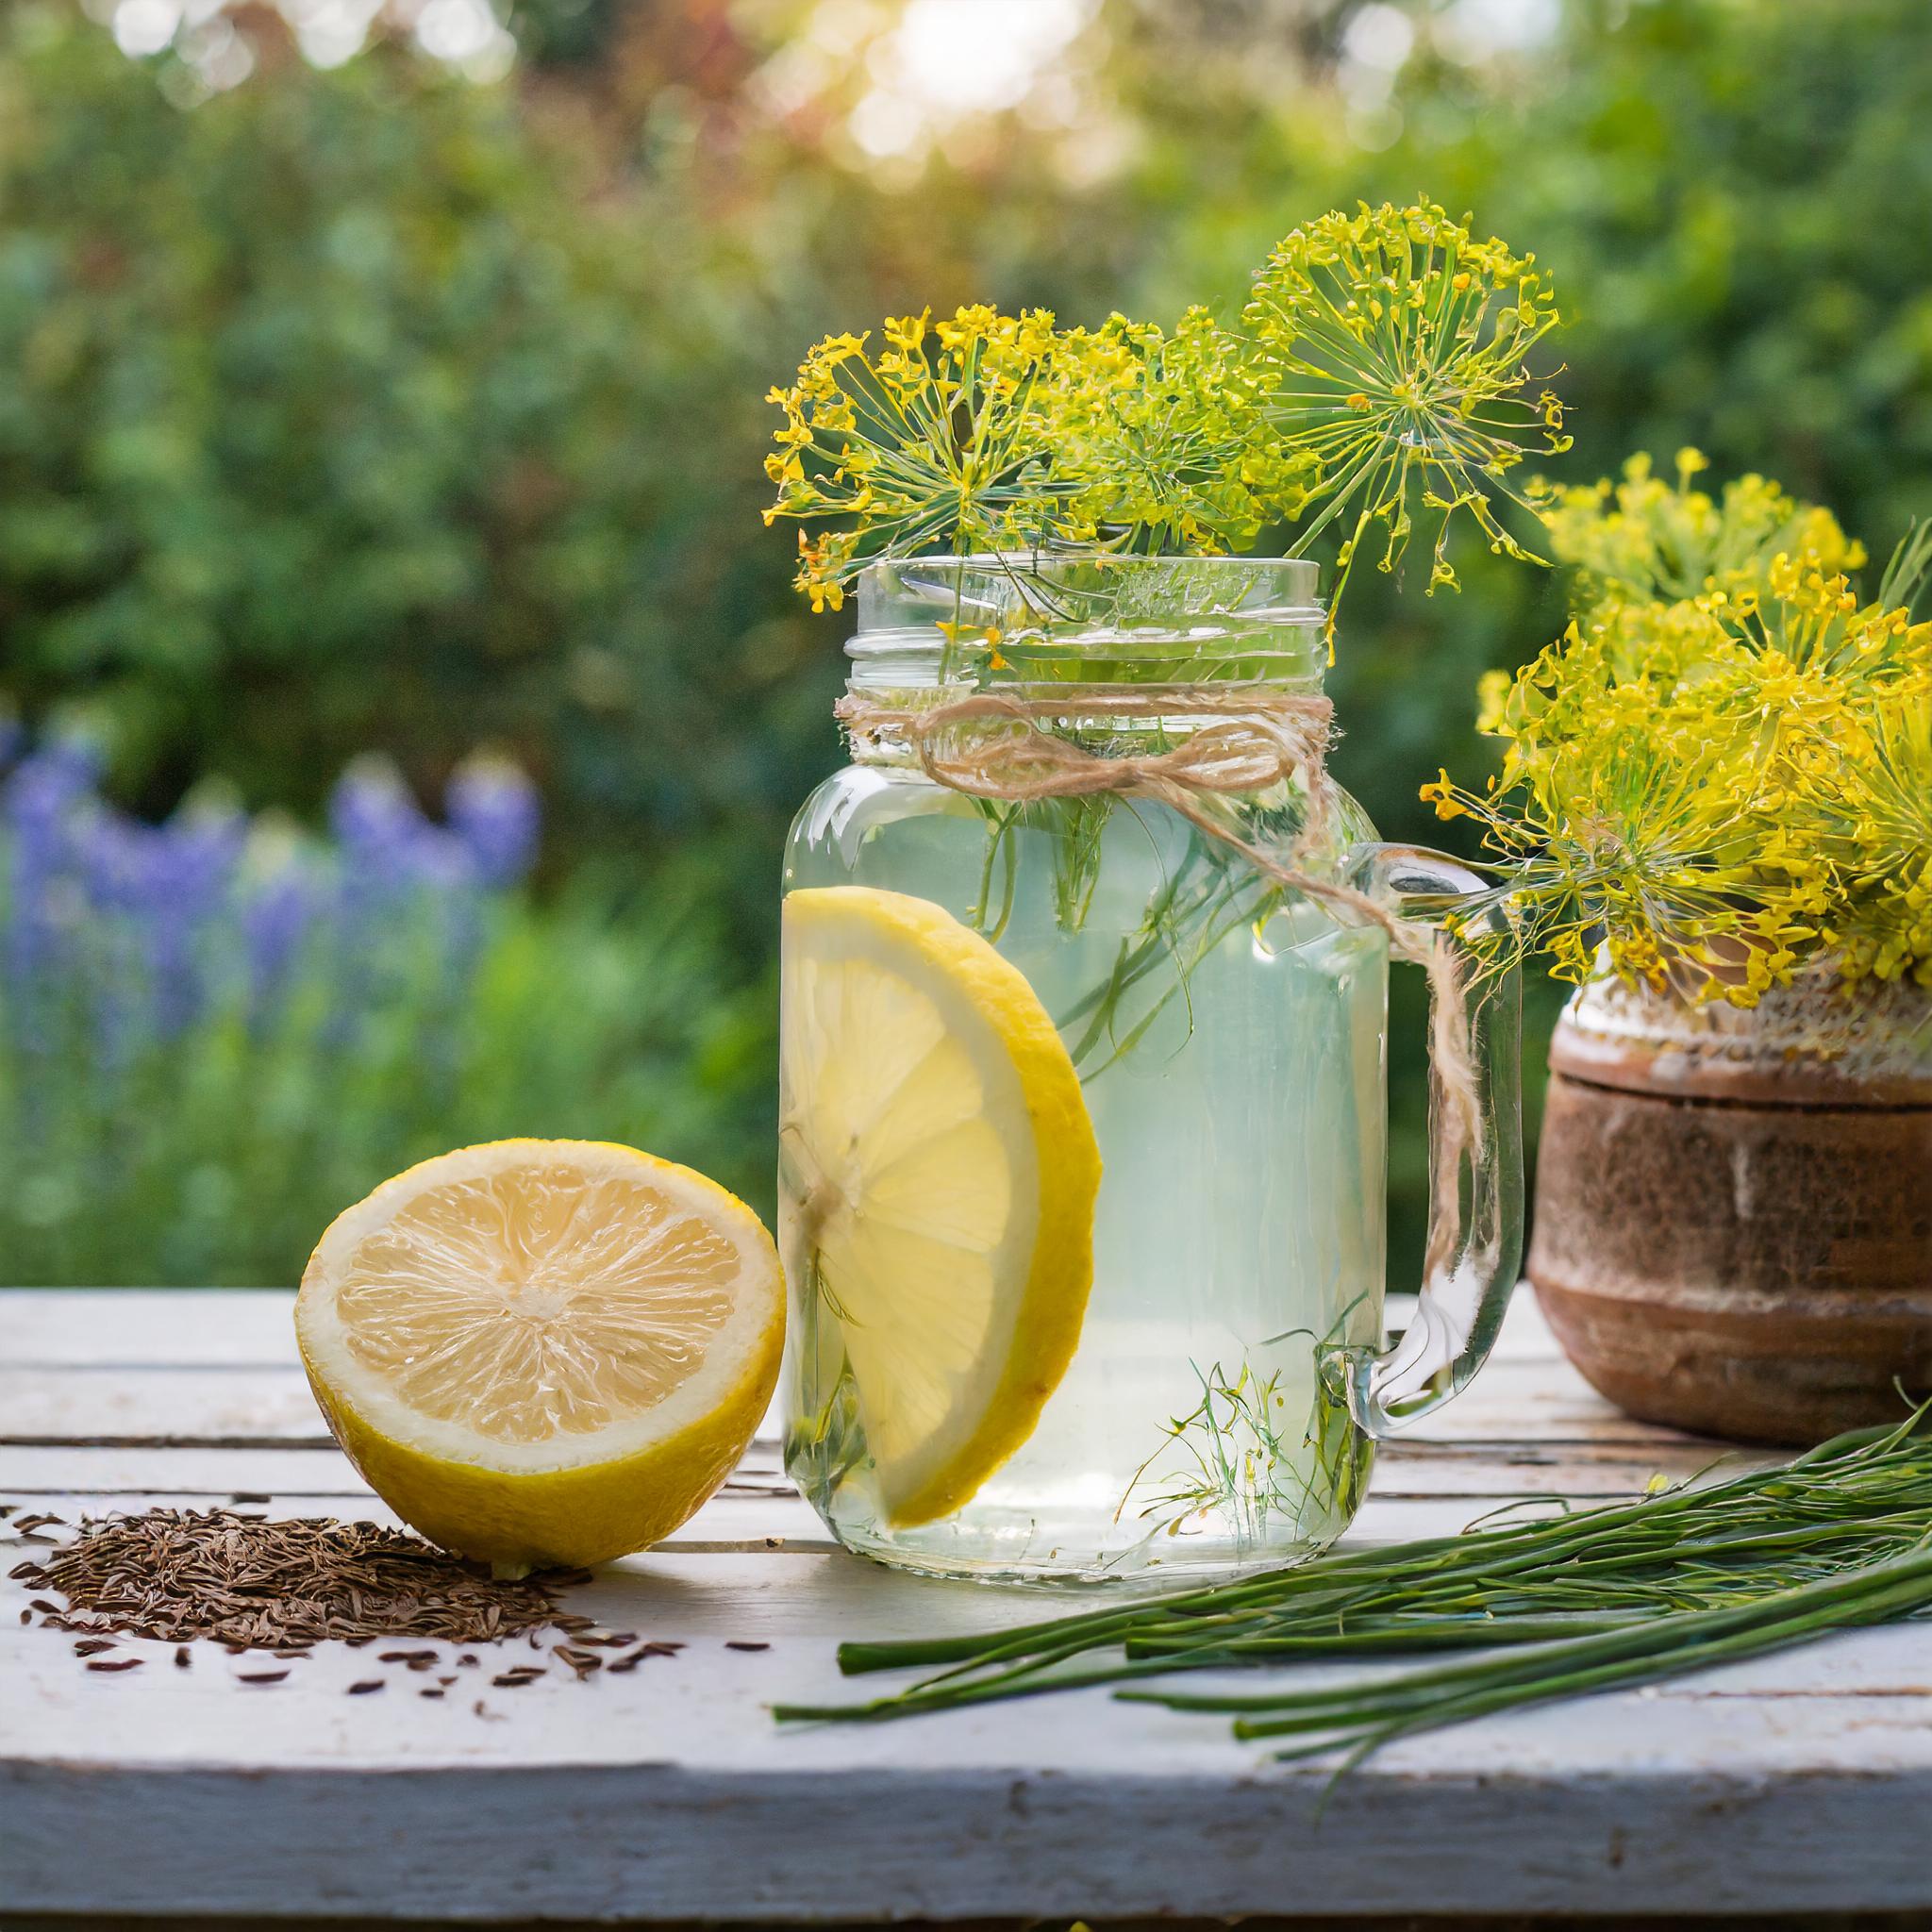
<point>403,702</point>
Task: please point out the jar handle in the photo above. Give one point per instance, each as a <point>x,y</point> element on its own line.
<point>1465,1294</point>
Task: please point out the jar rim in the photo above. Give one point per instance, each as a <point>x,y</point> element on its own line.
<point>1293,582</point>
<point>1064,607</point>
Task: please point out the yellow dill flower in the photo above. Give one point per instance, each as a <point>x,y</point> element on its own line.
<point>1378,371</point>
<point>1397,339</point>
<point>936,440</point>
<point>1863,799</point>
<point>1165,435</point>
<point>1643,540</point>
<point>1709,790</point>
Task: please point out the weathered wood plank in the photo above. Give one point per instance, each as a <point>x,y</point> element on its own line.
<point>147,1469</point>
<point>1484,1473</point>
<point>80,1327</point>
<point>746,1517</point>
<point>239,1405</point>
<point>741,1516</point>
<point>661,1842</point>
<point>75,1328</point>
<point>1789,1783</point>
<point>676,1797</point>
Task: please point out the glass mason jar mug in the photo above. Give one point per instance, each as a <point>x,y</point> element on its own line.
<point>1084,1030</point>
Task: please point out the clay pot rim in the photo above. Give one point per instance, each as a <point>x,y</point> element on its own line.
<point>1642,1042</point>
<point>1671,1074</point>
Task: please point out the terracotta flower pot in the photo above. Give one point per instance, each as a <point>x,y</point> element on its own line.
<point>1734,1207</point>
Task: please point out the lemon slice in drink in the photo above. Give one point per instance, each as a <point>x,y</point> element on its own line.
<point>544,1351</point>
<point>939,1175</point>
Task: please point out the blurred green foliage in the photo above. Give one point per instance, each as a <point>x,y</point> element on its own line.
<point>373,409</point>
<point>215,1157</point>
<point>335,413</point>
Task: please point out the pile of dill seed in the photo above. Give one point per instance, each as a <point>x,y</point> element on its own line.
<point>246,1582</point>
<point>255,1584</point>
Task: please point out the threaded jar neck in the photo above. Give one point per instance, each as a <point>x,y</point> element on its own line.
<point>930,628</point>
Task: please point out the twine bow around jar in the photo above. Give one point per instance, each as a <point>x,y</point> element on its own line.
<point>999,745</point>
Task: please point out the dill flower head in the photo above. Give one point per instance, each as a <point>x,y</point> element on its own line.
<point>936,440</point>
<point>1165,438</point>
<point>1397,339</point>
<point>1001,432</point>
<point>1709,791</point>
<point>1377,370</point>
<point>1644,539</point>
<point>1867,794</point>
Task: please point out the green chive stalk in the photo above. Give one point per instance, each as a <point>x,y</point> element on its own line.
<point>1588,1600</point>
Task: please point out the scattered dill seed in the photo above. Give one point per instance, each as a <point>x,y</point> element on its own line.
<point>261,1677</point>
<point>366,1685</point>
<point>642,1653</point>
<point>105,1663</point>
<point>181,1660</point>
<point>93,1646</point>
<point>738,1643</point>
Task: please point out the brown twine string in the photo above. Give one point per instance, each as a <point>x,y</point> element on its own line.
<point>1254,740</point>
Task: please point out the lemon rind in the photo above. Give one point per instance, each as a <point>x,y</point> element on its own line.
<point>1051,1310</point>
<point>381,1415</point>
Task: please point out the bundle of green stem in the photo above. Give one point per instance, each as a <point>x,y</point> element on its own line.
<point>1588,1600</point>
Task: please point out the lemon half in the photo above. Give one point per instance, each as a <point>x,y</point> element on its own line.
<point>544,1352</point>
<point>938,1174</point>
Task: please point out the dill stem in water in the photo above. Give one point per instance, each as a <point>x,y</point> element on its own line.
<point>1587,1600</point>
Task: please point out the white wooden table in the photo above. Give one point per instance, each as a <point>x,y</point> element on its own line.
<point>1801,1783</point>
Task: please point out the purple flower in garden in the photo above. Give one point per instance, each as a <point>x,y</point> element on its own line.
<point>388,844</point>
<point>45,787</point>
<point>117,935</point>
<point>39,802</point>
<point>188,888</point>
<point>160,889</point>
<point>278,911</point>
<point>493,808</point>
<point>413,896</point>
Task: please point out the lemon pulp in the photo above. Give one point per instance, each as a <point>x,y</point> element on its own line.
<point>939,1172</point>
<point>544,1351</point>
